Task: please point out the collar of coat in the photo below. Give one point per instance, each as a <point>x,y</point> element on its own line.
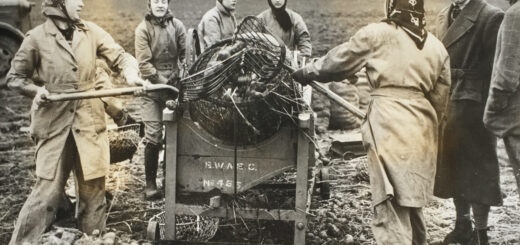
<point>463,5</point>
<point>223,9</point>
<point>56,13</point>
<point>466,19</point>
<point>52,29</point>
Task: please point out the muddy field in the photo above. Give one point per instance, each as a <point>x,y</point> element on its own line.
<point>344,219</point>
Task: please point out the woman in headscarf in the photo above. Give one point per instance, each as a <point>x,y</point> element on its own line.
<point>409,72</point>
<point>218,23</point>
<point>160,49</point>
<point>69,135</point>
<point>288,26</point>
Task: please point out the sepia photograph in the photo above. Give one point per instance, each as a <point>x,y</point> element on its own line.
<point>335,122</point>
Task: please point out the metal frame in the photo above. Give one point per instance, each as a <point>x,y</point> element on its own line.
<point>303,156</point>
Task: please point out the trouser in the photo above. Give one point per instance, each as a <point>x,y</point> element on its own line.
<point>395,224</point>
<point>151,114</point>
<point>39,210</point>
<point>480,213</point>
<point>153,132</point>
<point>512,144</point>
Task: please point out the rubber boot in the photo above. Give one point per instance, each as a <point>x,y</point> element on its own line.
<point>151,161</point>
<point>479,237</point>
<point>461,234</point>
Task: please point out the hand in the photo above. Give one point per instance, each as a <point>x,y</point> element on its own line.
<point>498,100</point>
<point>161,79</point>
<point>299,76</point>
<point>135,80</point>
<point>145,84</point>
<point>174,79</point>
<point>41,97</point>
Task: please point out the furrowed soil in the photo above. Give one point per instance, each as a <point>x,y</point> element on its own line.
<point>343,219</point>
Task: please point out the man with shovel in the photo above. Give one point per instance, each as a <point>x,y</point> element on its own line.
<point>69,135</point>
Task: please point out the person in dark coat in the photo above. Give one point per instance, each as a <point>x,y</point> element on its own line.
<point>503,104</point>
<point>468,168</point>
<point>288,26</point>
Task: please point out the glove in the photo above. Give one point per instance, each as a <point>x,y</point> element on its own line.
<point>298,76</point>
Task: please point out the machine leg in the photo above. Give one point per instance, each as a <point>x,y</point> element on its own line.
<point>171,179</point>
<point>300,223</point>
<point>153,232</point>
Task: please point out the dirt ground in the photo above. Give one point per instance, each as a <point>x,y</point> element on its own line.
<point>344,219</point>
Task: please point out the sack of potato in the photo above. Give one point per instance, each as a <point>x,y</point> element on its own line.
<point>340,118</point>
<point>321,106</point>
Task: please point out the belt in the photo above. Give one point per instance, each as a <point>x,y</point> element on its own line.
<point>403,93</point>
<point>464,73</point>
<point>69,87</point>
<point>165,66</point>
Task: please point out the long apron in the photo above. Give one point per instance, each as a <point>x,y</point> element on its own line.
<point>400,135</point>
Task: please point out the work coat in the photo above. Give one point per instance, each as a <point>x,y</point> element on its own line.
<point>410,89</point>
<point>159,51</point>
<point>468,166</point>
<point>65,68</point>
<point>297,38</point>
<point>217,24</point>
<point>502,114</point>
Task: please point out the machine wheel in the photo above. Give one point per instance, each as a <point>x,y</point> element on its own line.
<point>8,48</point>
<point>152,232</point>
<point>324,186</point>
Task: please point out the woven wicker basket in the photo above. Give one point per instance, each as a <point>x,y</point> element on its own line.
<point>190,228</point>
<point>123,142</point>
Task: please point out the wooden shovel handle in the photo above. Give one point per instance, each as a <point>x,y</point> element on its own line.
<point>110,93</point>
<point>333,96</point>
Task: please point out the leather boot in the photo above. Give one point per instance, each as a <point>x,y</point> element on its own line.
<point>479,237</point>
<point>461,234</point>
<point>151,161</point>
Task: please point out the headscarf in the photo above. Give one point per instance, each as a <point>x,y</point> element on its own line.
<point>55,9</point>
<point>160,21</point>
<point>228,10</point>
<point>409,15</point>
<point>281,15</point>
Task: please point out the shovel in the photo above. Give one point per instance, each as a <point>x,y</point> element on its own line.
<point>111,93</point>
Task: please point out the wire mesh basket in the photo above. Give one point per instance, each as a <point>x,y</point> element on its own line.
<point>123,142</point>
<point>189,228</point>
